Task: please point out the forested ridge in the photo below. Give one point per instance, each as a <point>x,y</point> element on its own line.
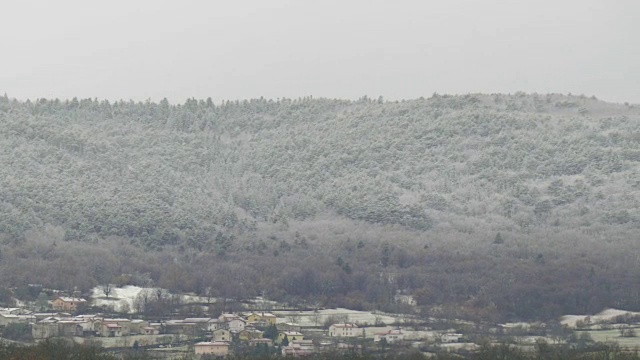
<point>451,195</point>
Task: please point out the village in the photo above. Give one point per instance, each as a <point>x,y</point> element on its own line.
<point>265,328</point>
<point>286,332</point>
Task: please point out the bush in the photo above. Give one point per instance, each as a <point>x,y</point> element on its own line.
<point>17,332</point>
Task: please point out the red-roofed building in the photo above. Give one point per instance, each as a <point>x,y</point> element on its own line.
<point>64,303</point>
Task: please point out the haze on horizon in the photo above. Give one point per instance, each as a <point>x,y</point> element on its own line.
<point>291,48</point>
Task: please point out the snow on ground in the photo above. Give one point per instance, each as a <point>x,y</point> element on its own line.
<point>614,335</point>
<point>603,316</point>
<point>117,298</point>
<point>312,318</point>
<point>512,325</point>
<point>459,346</point>
<point>120,296</point>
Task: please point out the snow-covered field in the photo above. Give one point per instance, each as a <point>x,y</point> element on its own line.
<point>117,298</point>
<point>614,336</point>
<point>120,296</point>
<point>603,316</point>
<point>312,318</point>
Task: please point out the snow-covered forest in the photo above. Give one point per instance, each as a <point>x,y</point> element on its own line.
<point>518,206</point>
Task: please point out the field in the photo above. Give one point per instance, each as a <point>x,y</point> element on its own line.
<point>313,318</point>
<point>614,336</point>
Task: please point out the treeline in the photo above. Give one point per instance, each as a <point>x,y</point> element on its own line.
<point>504,206</point>
<point>361,275</point>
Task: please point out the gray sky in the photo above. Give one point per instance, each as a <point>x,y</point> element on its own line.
<point>401,49</point>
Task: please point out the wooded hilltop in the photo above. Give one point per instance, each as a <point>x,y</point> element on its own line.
<point>483,206</point>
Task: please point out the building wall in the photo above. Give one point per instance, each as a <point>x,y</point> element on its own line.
<point>341,331</point>
<point>221,335</point>
<point>218,350</point>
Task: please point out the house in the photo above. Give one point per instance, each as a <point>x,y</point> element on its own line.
<point>149,330</point>
<point>180,327</point>
<point>269,318</point>
<point>216,348</point>
<point>124,324</point>
<point>390,336</point>
<point>256,342</point>
<point>289,335</point>
<point>236,325</point>
<point>299,348</point>
<point>6,319</point>
<point>110,330</point>
<point>249,334</point>
<point>450,338</point>
<point>64,303</point>
<point>69,328</point>
<point>344,330</point>
<point>16,311</point>
<point>112,327</point>
<point>265,318</point>
<point>253,317</point>
<point>56,326</point>
<point>199,325</point>
<point>44,330</point>
<point>136,326</point>
<point>221,335</point>
<point>157,326</point>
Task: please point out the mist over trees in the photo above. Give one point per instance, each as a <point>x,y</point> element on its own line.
<point>518,206</point>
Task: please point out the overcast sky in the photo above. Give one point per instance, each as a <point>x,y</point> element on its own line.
<point>399,49</point>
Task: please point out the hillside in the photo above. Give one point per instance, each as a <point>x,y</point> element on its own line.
<point>540,175</point>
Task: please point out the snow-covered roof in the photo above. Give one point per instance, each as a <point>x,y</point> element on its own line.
<point>9,310</point>
<point>116,320</point>
<point>71,299</point>
<point>197,320</point>
<point>291,333</point>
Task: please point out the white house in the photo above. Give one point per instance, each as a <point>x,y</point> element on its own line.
<point>390,336</point>
<point>344,330</point>
<point>236,325</point>
<point>299,348</point>
<point>450,338</point>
